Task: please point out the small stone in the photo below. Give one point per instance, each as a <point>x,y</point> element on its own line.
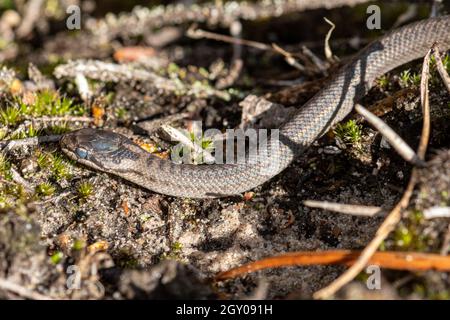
<point>28,166</point>
<point>331,150</point>
<point>384,143</point>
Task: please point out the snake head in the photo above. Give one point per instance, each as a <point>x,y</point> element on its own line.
<point>99,149</point>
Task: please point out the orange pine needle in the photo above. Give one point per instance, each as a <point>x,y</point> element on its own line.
<point>388,259</point>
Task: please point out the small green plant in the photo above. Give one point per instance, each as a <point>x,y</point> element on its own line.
<point>446,62</point>
<point>10,116</point>
<point>5,167</point>
<point>44,160</point>
<point>383,81</point>
<point>174,253</point>
<point>85,189</point>
<point>60,168</point>
<point>48,103</point>
<point>45,189</point>
<point>177,247</point>
<point>29,132</point>
<point>349,132</point>
<point>405,77</point>
<point>57,257</point>
<point>56,163</point>
<point>121,113</point>
<point>79,244</point>
<point>415,79</point>
<point>409,233</point>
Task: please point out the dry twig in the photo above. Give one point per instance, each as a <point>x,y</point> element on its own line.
<point>356,210</point>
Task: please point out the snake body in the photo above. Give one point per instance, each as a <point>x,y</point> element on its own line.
<point>113,153</point>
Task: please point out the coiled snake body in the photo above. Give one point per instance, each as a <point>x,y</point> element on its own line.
<point>116,154</point>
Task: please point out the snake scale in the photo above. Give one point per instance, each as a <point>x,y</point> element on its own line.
<point>113,153</point>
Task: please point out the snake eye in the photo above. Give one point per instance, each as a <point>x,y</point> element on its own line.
<point>81,153</point>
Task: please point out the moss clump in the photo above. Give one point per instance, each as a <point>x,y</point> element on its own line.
<point>121,113</point>
<point>408,78</point>
<point>85,189</point>
<point>57,257</point>
<point>56,163</point>
<point>174,253</point>
<point>383,81</point>
<point>45,103</point>
<point>29,132</point>
<point>10,116</point>
<point>45,189</point>
<point>409,235</point>
<point>5,167</point>
<point>349,132</point>
<point>79,244</point>
<point>49,103</point>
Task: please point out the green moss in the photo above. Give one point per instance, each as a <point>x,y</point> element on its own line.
<point>349,132</point>
<point>408,78</point>
<point>85,189</point>
<point>79,244</point>
<point>56,163</point>
<point>43,160</point>
<point>440,295</point>
<point>56,258</point>
<point>29,132</point>
<point>198,158</point>
<point>5,167</point>
<point>121,113</point>
<point>383,81</point>
<point>173,68</point>
<point>409,235</point>
<point>49,103</point>
<point>45,189</point>
<point>174,253</point>
<point>403,237</point>
<point>60,168</point>
<point>10,116</point>
<point>446,62</point>
<point>45,103</point>
<point>177,247</point>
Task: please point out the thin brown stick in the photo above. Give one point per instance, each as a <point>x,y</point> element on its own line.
<point>416,261</point>
<point>394,216</point>
<point>200,33</point>
<point>352,209</point>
